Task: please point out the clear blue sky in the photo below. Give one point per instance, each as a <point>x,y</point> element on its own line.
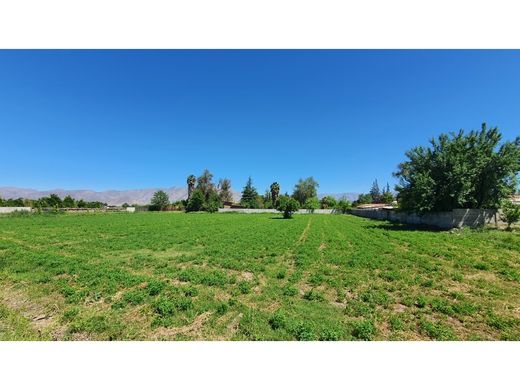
<point>139,119</point>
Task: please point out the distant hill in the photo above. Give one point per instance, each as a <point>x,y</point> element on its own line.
<point>118,197</point>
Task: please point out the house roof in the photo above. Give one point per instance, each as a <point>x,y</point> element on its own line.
<point>372,206</point>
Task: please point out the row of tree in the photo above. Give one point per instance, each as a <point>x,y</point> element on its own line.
<point>51,201</point>
<point>204,195</point>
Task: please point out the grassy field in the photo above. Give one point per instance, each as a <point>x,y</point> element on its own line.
<point>166,276</point>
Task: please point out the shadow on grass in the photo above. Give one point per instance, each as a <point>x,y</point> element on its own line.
<point>395,226</point>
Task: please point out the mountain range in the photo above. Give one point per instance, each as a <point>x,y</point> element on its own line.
<point>118,197</point>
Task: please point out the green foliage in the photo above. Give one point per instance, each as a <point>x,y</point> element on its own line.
<point>249,196</point>
<point>375,192</point>
<point>386,196</point>
<point>191,181</point>
<point>69,202</point>
<point>275,193</point>
<point>328,202</point>
<point>224,190</point>
<point>287,206</point>
<point>305,189</point>
<point>462,170</point>
<point>363,329</point>
<point>311,204</point>
<point>510,213</point>
<point>160,201</point>
<point>343,206</point>
<point>196,201</point>
<point>363,199</point>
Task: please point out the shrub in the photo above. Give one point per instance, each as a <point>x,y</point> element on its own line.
<point>311,204</point>
<point>278,320</point>
<point>304,332</point>
<point>287,206</point>
<point>290,290</point>
<point>154,287</point>
<point>312,295</point>
<point>363,330</point>
<point>510,213</point>
<point>164,307</point>
<point>134,297</point>
<point>244,287</point>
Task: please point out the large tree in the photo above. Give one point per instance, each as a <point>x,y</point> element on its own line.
<point>375,192</point>
<point>160,201</point>
<point>191,180</point>
<point>459,170</point>
<point>224,187</point>
<point>249,196</point>
<point>205,184</point>
<point>305,189</point>
<point>275,192</point>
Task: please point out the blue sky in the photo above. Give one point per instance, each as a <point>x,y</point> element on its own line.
<point>139,119</point>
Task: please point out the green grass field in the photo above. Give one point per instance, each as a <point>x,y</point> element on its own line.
<point>168,276</point>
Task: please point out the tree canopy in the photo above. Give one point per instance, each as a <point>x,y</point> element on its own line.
<point>224,188</point>
<point>305,189</point>
<point>249,196</point>
<point>459,170</point>
<point>160,201</point>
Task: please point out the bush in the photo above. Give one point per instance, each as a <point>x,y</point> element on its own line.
<point>328,202</point>
<point>363,330</point>
<point>510,213</point>
<point>196,201</point>
<point>278,320</point>
<point>288,206</point>
<point>311,204</point>
<point>343,206</point>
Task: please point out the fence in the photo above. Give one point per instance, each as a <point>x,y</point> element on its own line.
<point>7,210</point>
<point>443,219</point>
<point>256,211</point>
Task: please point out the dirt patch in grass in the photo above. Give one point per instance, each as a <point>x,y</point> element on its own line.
<point>41,314</point>
<point>192,329</point>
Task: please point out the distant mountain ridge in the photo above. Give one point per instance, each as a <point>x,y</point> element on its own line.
<point>118,197</point>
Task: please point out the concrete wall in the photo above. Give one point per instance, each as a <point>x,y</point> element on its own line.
<point>256,211</point>
<point>442,219</point>
<point>6,210</point>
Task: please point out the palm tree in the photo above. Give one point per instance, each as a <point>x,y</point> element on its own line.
<point>275,191</point>
<point>191,184</point>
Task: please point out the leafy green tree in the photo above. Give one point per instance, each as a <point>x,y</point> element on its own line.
<point>375,192</point>
<point>54,201</point>
<point>328,202</point>
<point>196,201</point>
<point>386,195</point>
<point>311,204</point>
<point>205,184</point>
<point>459,170</point>
<point>160,201</point>
<point>267,200</point>
<point>275,193</point>
<point>363,199</point>
<point>343,206</point>
<point>213,203</point>
<point>249,195</point>
<point>287,206</point>
<point>82,204</point>
<point>191,180</point>
<point>305,189</point>
<point>224,187</point>
<point>69,202</point>
<point>510,213</point>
